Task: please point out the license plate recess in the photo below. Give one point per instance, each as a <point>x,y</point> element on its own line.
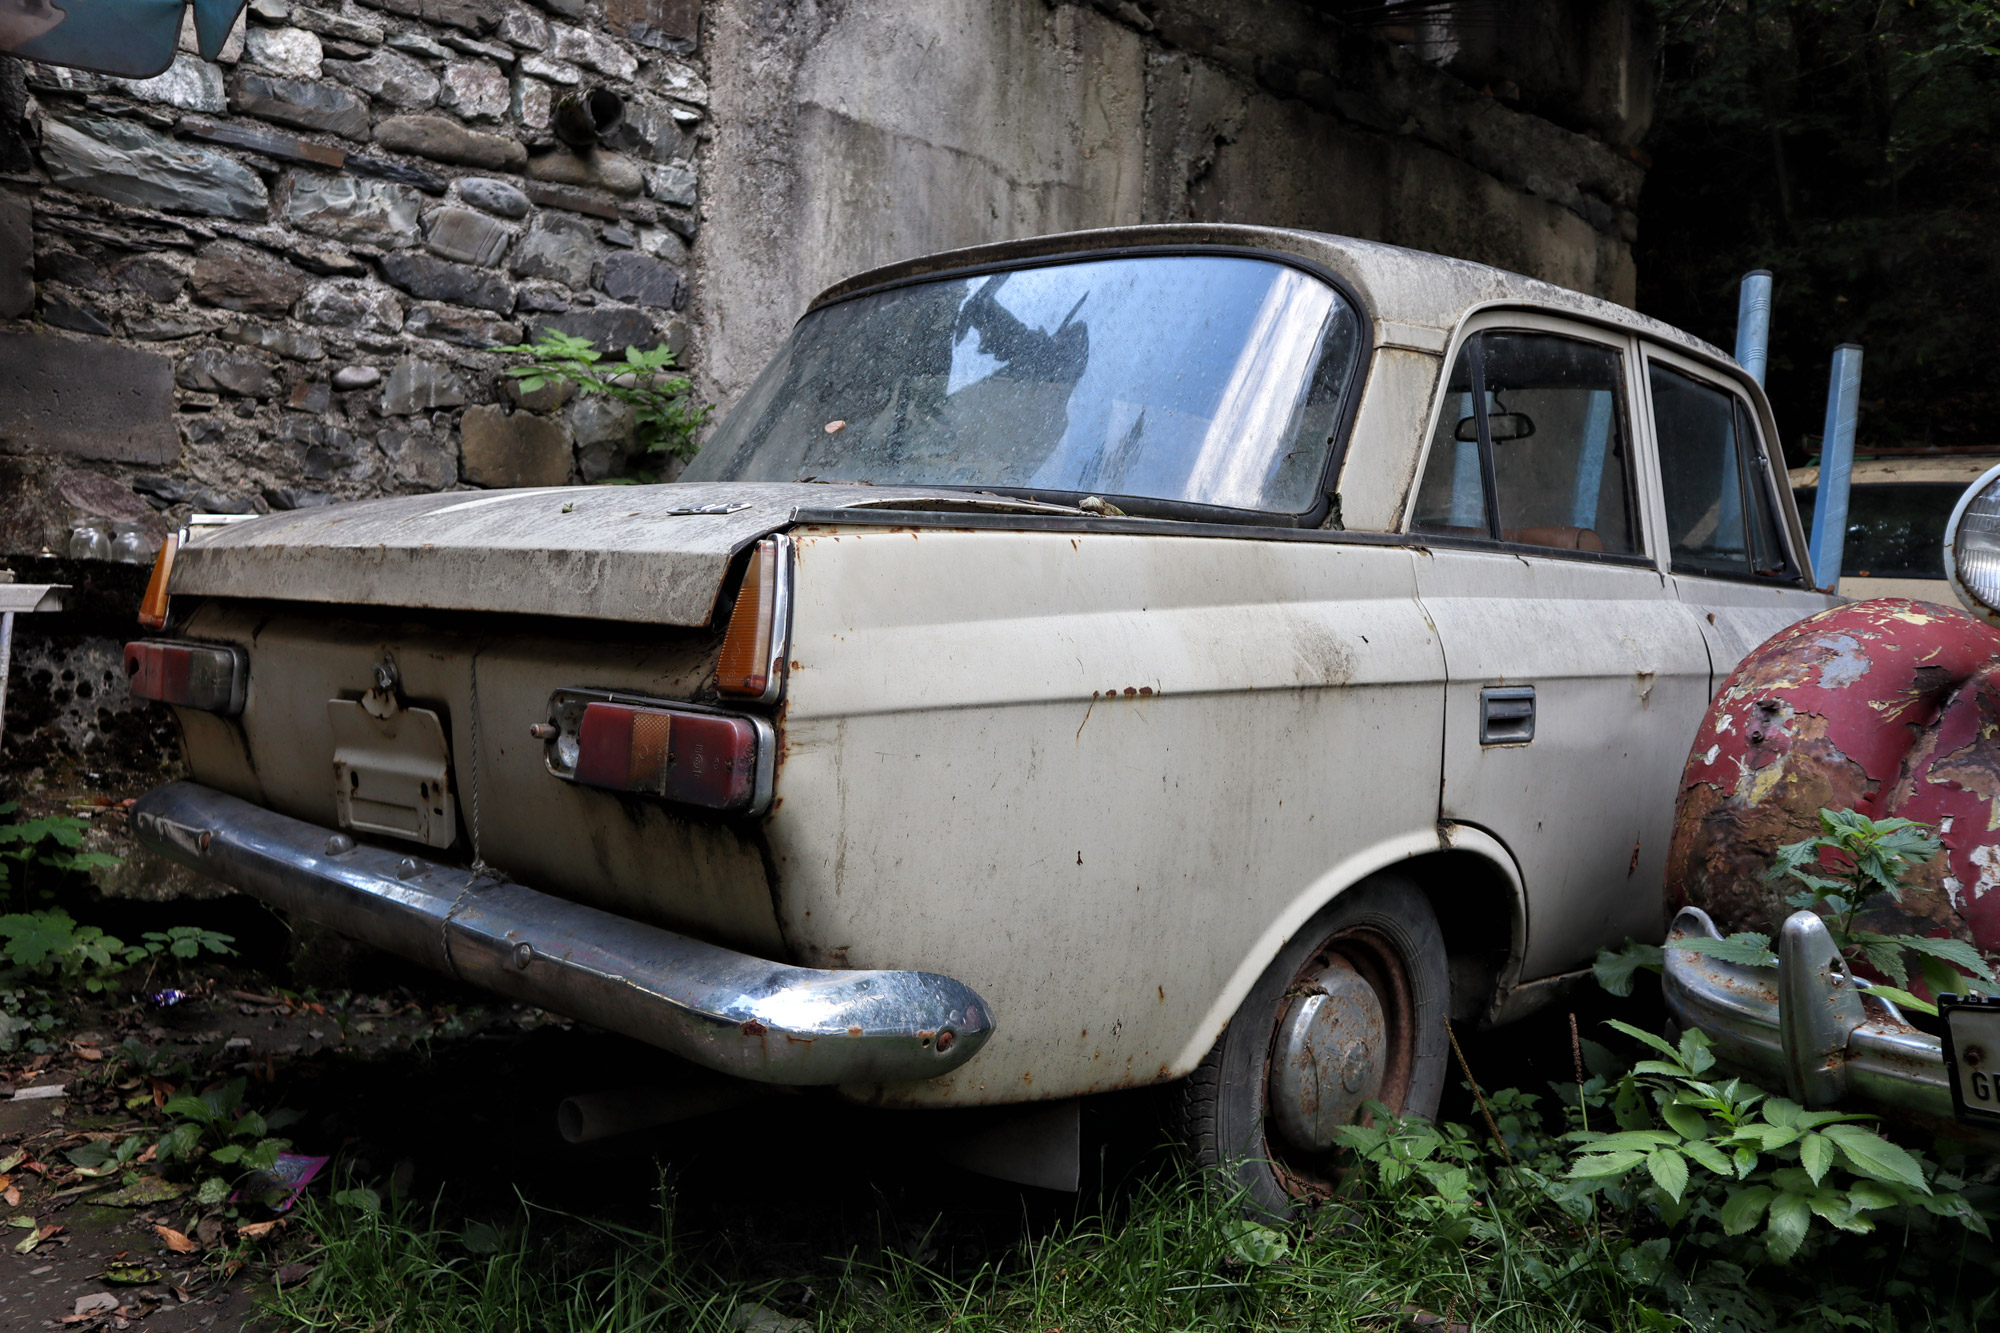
<point>393,775</point>
<point>1972,1055</point>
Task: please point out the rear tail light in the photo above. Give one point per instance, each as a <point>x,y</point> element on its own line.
<point>209,676</point>
<point>153,606</point>
<point>690,756</point>
<point>753,647</point>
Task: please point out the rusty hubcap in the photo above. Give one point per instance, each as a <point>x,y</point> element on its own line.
<point>1329,1056</point>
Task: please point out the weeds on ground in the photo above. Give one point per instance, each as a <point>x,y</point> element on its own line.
<point>43,949</point>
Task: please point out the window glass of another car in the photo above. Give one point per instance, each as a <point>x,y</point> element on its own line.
<point>1895,530</point>
<point>1201,379</point>
<point>1720,517</point>
<point>1533,431</point>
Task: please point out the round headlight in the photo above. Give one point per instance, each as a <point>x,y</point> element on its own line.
<point>1972,547</point>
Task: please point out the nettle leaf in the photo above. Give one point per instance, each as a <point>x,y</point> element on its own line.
<point>1669,1171</point>
<point>1684,1120</point>
<point>1903,999</point>
<point>1832,1207</point>
<point>1958,953</point>
<point>1783,1111</point>
<point>1616,969</point>
<point>1640,1140</point>
<point>1869,1154</point>
<point>1652,1039</point>
<point>1790,1217</point>
<point>1709,1156</point>
<point>1746,948</point>
<point>1745,1208</point>
<point>1595,1166</point>
<point>1694,1052</point>
<point>1816,1154</point>
<point>1885,955</point>
<point>1874,1194</point>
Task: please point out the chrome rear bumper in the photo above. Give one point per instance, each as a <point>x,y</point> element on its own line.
<point>727,1011</point>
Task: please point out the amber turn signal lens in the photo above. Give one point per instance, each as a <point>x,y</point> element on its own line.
<point>750,662</point>
<point>153,606</point>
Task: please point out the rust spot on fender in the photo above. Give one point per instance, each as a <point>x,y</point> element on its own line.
<point>752,1028</point>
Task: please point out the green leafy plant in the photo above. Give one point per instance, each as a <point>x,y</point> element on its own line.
<point>663,413</point>
<point>1852,860</point>
<point>49,944</point>
<point>215,1128</point>
<point>53,841</point>
<point>1730,1156</point>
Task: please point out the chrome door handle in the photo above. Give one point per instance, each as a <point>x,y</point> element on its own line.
<point>1507,715</point>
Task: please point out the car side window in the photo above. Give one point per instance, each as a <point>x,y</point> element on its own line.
<point>1720,515</point>
<point>1531,447</point>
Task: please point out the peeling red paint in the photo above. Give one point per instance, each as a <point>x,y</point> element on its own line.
<point>1888,707</point>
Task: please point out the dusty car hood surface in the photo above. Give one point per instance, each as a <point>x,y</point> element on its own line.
<point>590,552</point>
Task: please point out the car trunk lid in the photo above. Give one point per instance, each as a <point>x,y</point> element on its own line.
<point>652,554</point>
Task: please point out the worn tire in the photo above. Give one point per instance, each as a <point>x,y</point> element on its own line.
<point>1384,924</point>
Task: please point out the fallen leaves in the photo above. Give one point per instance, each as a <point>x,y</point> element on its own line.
<point>175,1241</point>
<point>37,1236</point>
<point>258,1230</point>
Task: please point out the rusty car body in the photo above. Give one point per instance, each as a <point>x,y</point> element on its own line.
<point>1889,707</point>
<point>1197,652</point>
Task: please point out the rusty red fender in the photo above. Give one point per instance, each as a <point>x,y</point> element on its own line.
<point>1888,707</point>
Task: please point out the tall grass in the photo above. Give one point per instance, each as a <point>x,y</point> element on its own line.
<point>1167,1256</point>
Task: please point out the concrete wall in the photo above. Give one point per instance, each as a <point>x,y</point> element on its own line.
<point>850,133</point>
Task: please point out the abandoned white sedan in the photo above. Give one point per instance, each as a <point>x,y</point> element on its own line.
<point>1199,653</point>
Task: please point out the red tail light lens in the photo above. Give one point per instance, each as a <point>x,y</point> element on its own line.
<point>212,677</point>
<point>715,761</point>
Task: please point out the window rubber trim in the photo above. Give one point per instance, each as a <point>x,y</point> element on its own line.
<point>1134,526</point>
<point>1185,510</point>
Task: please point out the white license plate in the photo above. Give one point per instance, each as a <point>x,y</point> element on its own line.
<point>1972,1055</point>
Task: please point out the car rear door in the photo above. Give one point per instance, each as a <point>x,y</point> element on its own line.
<point>1575,677</point>
<point>1737,558</point>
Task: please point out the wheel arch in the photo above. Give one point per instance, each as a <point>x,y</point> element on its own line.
<point>1474,888</point>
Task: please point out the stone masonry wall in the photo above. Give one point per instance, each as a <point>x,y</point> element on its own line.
<point>270,283</point>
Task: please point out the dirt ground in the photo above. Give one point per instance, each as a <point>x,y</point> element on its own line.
<point>409,1085</point>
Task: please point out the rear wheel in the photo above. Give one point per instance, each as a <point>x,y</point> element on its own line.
<point>1352,1010</point>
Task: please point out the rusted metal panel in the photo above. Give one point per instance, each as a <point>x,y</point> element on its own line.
<point>1887,707</point>
<point>1103,789</point>
<point>630,856</point>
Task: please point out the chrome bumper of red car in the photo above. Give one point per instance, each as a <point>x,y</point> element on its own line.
<point>727,1011</point>
<point>1806,1027</point>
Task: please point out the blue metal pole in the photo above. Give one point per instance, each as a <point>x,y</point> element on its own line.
<point>1836,465</point>
<point>1753,323</point>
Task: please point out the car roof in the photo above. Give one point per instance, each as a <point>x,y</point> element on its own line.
<point>1957,469</point>
<point>1399,286</point>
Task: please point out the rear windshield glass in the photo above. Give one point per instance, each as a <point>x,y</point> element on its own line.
<point>1189,378</point>
<point>1895,530</point>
